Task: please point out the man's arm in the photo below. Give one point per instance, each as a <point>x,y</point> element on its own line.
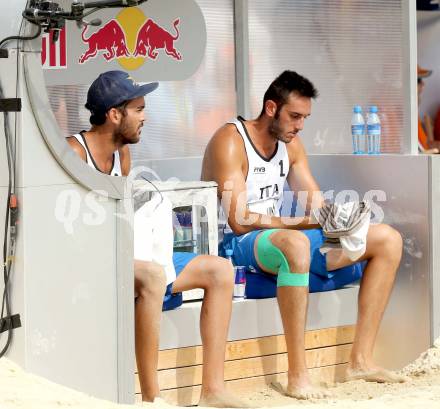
<point>225,163</point>
<point>300,178</point>
<point>77,148</point>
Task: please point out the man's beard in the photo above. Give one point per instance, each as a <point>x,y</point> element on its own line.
<point>274,127</point>
<point>125,134</point>
<point>276,130</point>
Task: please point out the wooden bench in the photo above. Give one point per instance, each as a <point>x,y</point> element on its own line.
<point>252,364</point>
<point>254,361</point>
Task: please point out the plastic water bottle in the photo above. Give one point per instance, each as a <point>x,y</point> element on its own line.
<point>239,278</point>
<point>358,130</point>
<point>373,131</point>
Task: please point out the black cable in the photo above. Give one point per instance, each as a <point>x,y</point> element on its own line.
<point>157,190</point>
<point>17,87</point>
<point>14,150</point>
<point>113,3</point>
<point>10,237</point>
<point>6,261</point>
<point>32,37</point>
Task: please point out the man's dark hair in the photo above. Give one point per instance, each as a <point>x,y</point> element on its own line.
<point>98,118</point>
<point>286,83</point>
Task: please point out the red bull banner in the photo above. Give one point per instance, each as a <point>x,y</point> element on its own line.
<point>159,40</point>
<point>53,53</point>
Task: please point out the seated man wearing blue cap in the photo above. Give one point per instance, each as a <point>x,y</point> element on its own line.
<point>116,103</point>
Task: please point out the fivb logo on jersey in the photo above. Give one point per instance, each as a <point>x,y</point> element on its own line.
<point>54,53</point>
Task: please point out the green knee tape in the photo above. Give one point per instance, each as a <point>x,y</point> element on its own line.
<point>288,279</point>
<point>272,258</point>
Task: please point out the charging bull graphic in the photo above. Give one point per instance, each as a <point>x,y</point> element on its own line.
<point>152,37</point>
<point>109,38</point>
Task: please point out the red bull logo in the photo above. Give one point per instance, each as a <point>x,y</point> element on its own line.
<point>131,38</point>
<point>110,39</point>
<point>152,37</point>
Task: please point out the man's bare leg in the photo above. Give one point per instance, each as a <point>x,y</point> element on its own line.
<point>384,251</point>
<point>215,276</point>
<point>292,302</point>
<point>150,285</point>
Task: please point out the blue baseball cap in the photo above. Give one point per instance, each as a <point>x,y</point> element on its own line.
<point>112,88</point>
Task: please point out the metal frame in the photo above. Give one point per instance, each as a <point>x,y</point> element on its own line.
<point>434,233</point>
<point>409,45</point>
<point>241,27</point>
<point>125,300</point>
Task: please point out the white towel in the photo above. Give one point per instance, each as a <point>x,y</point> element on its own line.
<point>153,234</point>
<point>355,244</point>
<point>345,226</point>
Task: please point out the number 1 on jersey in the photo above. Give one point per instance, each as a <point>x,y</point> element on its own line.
<point>281,168</point>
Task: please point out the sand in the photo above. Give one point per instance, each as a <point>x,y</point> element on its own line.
<point>19,389</point>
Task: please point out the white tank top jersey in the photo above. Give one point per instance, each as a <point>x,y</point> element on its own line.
<point>116,168</point>
<point>266,176</point>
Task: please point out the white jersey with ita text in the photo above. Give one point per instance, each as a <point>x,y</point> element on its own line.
<point>116,168</point>
<point>266,176</point>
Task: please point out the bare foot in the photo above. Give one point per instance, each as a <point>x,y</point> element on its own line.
<point>379,375</point>
<point>306,391</point>
<point>223,399</point>
<point>157,401</point>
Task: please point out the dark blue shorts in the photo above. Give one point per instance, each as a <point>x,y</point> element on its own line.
<point>263,285</point>
<point>171,301</point>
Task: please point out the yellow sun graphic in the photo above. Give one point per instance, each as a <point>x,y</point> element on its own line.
<point>131,19</point>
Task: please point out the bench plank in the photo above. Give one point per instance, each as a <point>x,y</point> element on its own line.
<point>251,367</point>
<point>248,348</point>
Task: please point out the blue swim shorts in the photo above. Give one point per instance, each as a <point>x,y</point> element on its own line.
<point>263,285</point>
<point>172,301</point>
